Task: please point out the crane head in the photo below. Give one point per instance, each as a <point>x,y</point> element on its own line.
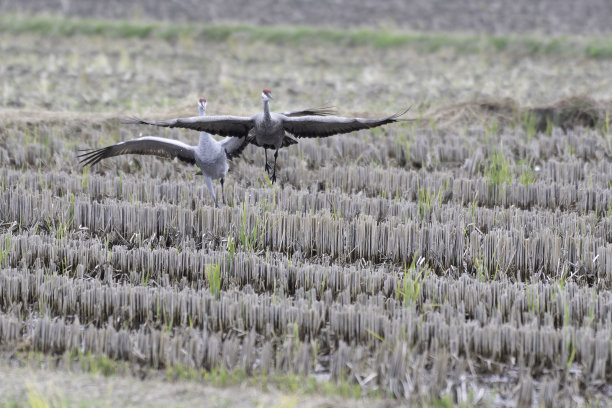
<point>202,106</point>
<point>266,94</point>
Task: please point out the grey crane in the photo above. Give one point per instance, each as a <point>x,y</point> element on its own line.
<point>209,155</point>
<point>268,129</point>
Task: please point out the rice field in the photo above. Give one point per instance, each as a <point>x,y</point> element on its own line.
<point>464,258</point>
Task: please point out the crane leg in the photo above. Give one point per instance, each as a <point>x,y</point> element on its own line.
<point>274,171</point>
<point>222,191</point>
<point>211,189</point>
<point>267,166</point>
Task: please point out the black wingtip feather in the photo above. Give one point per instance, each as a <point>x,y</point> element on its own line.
<point>396,116</point>
<point>322,111</point>
<point>319,111</point>
<point>289,140</point>
<point>238,152</point>
<point>326,111</point>
<point>132,120</point>
<point>92,157</point>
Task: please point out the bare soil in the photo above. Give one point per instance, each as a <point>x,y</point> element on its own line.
<point>22,386</point>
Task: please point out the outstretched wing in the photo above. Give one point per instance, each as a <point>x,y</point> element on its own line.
<point>323,126</point>
<point>322,111</point>
<point>149,145</point>
<point>237,126</point>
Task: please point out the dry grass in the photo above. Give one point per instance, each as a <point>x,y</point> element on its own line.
<point>567,113</point>
<point>465,260</point>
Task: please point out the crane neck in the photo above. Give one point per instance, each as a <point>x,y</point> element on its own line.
<point>206,140</point>
<point>266,108</point>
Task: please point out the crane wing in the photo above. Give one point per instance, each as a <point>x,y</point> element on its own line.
<point>321,111</point>
<point>149,145</point>
<point>234,146</point>
<point>237,126</point>
<point>323,126</point>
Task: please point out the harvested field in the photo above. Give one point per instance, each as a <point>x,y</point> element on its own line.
<point>464,258</point>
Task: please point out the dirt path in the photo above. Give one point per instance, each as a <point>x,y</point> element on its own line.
<point>38,387</point>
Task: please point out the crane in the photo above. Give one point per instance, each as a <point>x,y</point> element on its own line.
<point>209,155</point>
<point>268,129</point>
